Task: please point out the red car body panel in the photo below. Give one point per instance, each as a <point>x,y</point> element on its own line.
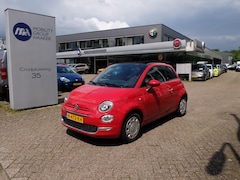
<point>152,105</point>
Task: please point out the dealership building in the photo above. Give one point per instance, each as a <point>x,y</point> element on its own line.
<point>150,43</point>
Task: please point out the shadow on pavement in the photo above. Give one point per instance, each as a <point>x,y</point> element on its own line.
<point>158,122</point>
<point>217,162</point>
<point>95,141</point>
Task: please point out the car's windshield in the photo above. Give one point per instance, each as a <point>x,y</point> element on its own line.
<point>65,69</point>
<point>209,67</point>
<point>120,75</point>
<point>199,67</point>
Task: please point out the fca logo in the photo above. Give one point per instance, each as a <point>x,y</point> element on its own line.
<point>22,31</point>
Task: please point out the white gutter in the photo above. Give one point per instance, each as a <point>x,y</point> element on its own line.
<point>157,47</point>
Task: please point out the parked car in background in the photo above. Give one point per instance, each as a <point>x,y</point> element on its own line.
<point>220,69</point>
<point>232,66</point>
<point>67,78</point>
<point>200,72</point>
<point>100,70</point>
<point>223,68</point>
<point>216,70</point>
<point>210,68</point>
<point>81,68</point>
<point>238,68</point>
<point>123,98</point>
<point>4,90</point>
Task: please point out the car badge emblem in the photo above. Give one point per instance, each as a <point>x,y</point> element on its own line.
<point>76,107</point>
<point>76,79</point>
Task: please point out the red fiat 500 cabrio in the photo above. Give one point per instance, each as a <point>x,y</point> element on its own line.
<point>122,99</point>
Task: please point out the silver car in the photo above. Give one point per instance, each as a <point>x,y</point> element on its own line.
<point>200,72</point>
<point>238,68</point>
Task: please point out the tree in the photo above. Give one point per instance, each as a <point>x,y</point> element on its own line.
<point>236,54</point>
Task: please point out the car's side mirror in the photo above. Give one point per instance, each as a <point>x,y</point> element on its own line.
<point>153,83</point>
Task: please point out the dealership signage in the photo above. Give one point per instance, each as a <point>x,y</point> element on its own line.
<point>31,48</point>
<point>153,32</point>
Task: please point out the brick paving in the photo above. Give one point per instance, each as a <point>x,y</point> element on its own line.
<point>204,144</point>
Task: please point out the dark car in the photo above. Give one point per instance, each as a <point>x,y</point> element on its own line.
<point>4,91</point>
<point>200,72</point>
<point>223,68</point>
<point>67,78</point>
<point>123,98</point>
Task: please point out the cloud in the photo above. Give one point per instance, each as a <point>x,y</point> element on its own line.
<point>202,18</point>
<point>77,25</point>
<point>221,42</point>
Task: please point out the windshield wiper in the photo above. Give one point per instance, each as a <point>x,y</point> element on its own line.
<point>91,82</point>
<point>111,85</point>
<point>104,84</point>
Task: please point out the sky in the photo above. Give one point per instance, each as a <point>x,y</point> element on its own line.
<point>215,22</point>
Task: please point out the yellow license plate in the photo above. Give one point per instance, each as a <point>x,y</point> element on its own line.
<point>77,84</point>
<point>194,77</point>
<point>75,118</point>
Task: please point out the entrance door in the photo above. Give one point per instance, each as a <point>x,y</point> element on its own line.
<point>100,62</point>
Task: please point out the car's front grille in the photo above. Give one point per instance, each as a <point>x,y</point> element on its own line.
<point>80,106</point>
<point>83,127</point>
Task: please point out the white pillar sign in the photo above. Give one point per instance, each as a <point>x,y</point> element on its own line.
<point>31,59</point>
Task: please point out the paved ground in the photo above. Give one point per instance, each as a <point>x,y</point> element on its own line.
<point>204,144</point>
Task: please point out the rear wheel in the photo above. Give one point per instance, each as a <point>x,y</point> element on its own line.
<point>131,128</point>
<point>182,107</point>
<point>86,71</point>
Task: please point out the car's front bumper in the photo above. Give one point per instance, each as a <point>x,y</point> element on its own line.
<point>97,131</point>
<point>194,77</point>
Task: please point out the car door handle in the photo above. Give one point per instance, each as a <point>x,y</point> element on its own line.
<point>170,90</point>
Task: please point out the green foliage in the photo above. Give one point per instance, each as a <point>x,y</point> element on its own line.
<point>236,54</point>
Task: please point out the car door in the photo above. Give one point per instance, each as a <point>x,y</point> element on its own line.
<point>157,100</point>
<point>174,86</point>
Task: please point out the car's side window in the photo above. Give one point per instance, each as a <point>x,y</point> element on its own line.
<point>147,78</point>
<point>153,73</point>
<point>167,72</point>
<point>157,75</point>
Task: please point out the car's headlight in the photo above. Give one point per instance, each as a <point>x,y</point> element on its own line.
<point>64,79</point>
<point>66,98</point>
<point>105,106</point>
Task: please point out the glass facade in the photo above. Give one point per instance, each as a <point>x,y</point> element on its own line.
<point>101,43</point>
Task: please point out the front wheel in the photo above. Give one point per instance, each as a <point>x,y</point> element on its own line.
<point>182,107</point>
<point>131,128</point>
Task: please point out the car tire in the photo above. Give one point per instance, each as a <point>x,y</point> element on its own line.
<point>182,107</point>
<point>86,71</point>
<point>131,129</point>
<point>205,78</point>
